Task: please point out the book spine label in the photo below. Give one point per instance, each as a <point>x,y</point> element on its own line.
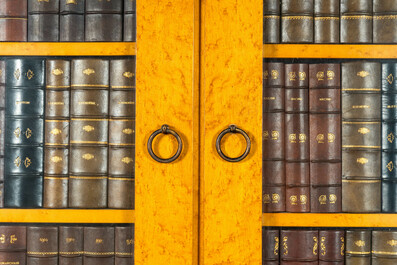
<point>299,246</point>
<point>361,130</point>
<point>42,245</point>
<point>23,161</point>
<point>273,138</point>
<point>56,156</point>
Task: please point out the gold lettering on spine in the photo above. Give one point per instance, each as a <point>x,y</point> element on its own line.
<point>269,98</point>
<point>70,239</point>
<point>129,241</point>
<point>322,246</point>
<point>56,103</point>
<point>27,162</point>
<point>320,138</point>
<point>98,241</point>
<point>392,242</point>
<point>296,99</point>
<point>292,76</point>
<point>292,138</point>
<point>303,199</point>
<point>331,137</point>
<point>126,102</point>
<point>2,239</point>
<point>276,245</point>
<point>265,75</point>
<point>22,102</point>
<point>43,240</point>
<point>87,103</point>
<point>30,74</point>
<point>390,166</point>
<point>324,99</point>
<point>28,133</point>
<point>17,161</point>
<point>390,79</point>
<point>391,107</point>
<point>330,75</point>
<point>315,247</point>
<point>361,107</point>
<point>285,245</point>
<point>274,74</point>
<point>390,137</point>
<point>302,138</point>
<point>17,132</point>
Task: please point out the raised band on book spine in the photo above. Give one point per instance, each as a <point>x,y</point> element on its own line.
<point>358,247</point>
<point>98,245</point>
<point>326,21</point>
<point>42,245</point>
<point>271,21</point>
<point>297,21</point>
<point>71,245</point>
<point>124,245</point>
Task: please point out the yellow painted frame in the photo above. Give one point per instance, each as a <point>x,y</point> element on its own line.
<point>231,93</point>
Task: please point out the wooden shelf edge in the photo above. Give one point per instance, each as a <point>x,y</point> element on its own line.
<point>338,51</point>
<point>66,216</point>
<point>329,220</point>
<point>67,48</point>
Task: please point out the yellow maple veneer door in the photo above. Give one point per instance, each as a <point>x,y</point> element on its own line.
<point>166,209</point>
<point>231,93</point>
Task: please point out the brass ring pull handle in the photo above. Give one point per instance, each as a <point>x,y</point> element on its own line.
<point>165,129</point>
<point>233,129</point>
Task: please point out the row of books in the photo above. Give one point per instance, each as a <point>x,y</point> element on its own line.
<point>330,21</point>
<point>67,20</point>
<point>321,247</point>
<point>67,245</point>
<point>329,137</point>
<point>67,132</point>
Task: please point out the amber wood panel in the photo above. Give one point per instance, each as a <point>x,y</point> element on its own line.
<point>347,51</point>
<point>231,87</point>
<point>167,85</point>
<point>66,216</point>
<point>67,48</point>
<point>329,220</point>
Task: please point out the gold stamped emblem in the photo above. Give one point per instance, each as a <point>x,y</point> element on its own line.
<point>293,199</point>
<point>265,75</point>
<point>320,138</point>
<point>128,74</point>
<point>292,76</point>
<point>56,159</point>
<point>332,198</point>
<point>127,160</point>
<point>390,166</point>
<point>1,72</point>
<point>43,1</point>
<point>390,79</point>
<point>88,71</point>
<point>315,247</point>
<point>30,74</point>
<point>292,138</point>
<point>302,76</point>
<point>128,131</point>
<point>265,135</point>
<point>129,241</point>
<point>88,128</point>
<point>302,137</point>
<point>363,74</point>
<point>88,156</point>
<point>17,161</point>
<point>362,160</point>
<point>363,130</point>
<point>13,238</point>
<point>266,198</point>
<point>274,74</point>
<point>330,75</point>
<point>27,162</point>
<point>331,137</point>
<point>17,132</point>
<point>285,245</point>
<point>320,76</point>
<point>275,135</point>
<point>275,198</point>
<point>392,242</point>
<point>342,248</point>
<point>68,2</point>
<point>303,199</point>
<point>2,239</point>
<point>57,71</point>
<point>28,133</point>
<point>99,241</point>
<point>70,239</point>
<point>322,199</point>
<point>276,245</point>
<point>390,137</point>
<point>322,246</point>
<point>55,131</point>
<point>359,243</point>
<point>17,74</point>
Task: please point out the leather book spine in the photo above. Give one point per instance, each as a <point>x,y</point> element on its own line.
<point>42,245</point>
<point>273,138</point>
<point>299,246</point>
<point>71,246</point>
<point>271,21</point>
<point>389,146</point>
<point>72,6</point>
<point>2,123</point>
<point>103,27</point>
<point>56,135</point>
<point>129,33</point>
<point>332,246</point>
<point>384,247</point>
<point>71,20</point>
<point>13,8</point>
<point>99,245</point>
<point>13,245</point>
<point>356,21</point>
<point>124,245</point>
<point>271,246</point>
<point>122,134</point>
<point>89,114</point>
<point>358,247</point>
<point>361,136</point>
<point>13,22</point>
<point>297,21</point>
<point>24,127</point>
<point>43,20</point>
<point>325,138</point>
<point>326,21</point>
<point>297,138</point>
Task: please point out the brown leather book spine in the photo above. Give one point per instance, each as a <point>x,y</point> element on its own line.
<point>14,21</point>
<point>89,113</point>
<point>57,120</point>
<point>273,138</point>
<point>361,137</point>
<point>71,246</point>
<point>43,20</point>
<point>71,27</point>
<point>99,245</point>
<point>42,245</point>
<point>13,245</point>
<point>332,247</point>
<point>271,246</point>
<point>297,138</point>
<point>129,20</point>
<point>358,247</point>
<point>326,21</point>
<point>124,245</point>
<point>356,21</point>
<point>299,246</point>
<point>297,21</point>
<point>271,21</point>
<point>385,21</point>
<point>384,247</point>
<point>122,134</point>
<point>2,129</point>
<point>325,138</point>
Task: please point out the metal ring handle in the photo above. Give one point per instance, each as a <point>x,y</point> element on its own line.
<point>165,129</point>
<point>233,129</point>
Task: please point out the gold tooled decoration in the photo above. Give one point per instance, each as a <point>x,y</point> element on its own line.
<point>302,137</point>
<point>128,74</point>
<point>129,241</point>
<point>303,199</point>
<point>276,245</point>
<point>30,74</point>
<point>68,2</point>
<point>390,137</point>
<point>275,198</point>
<point>128,131</point>
<point>363,74</point>
<point>320,76</point>
<point>17,161</point>
<point>362,160</point>
<point>56,159</point>
<point>285,245</point>
<point>330,75</point>
<point>88,71</point>
<point>127,160</point>
<point>88,156</point>
<point>315,247</point>
<point>392,242</point>
<point>57,71</point>
<point>1,72</point>
<point>292,76</point>
<point>320,138</point>
<point>322,246</point>
<point>302,76</point>
<point>17,132</point>
<point>266,198</point>
<point>359,243</point>
<point>390,166</point>
<point>55,131</point>
<point>342,248</point>
<point>275,135</point>
<point>331,137</point>
<point>292,138</point>
<point>274,74</point>
<point>363,130</point>
<point>332,198</point>
<point>43,239</point>
<point>266,135</point>
<point>27,162</point>
<point>88,128</point>
<point>2,239</point>
<point>390,78</point>
<point>17,74</point>
<point>265,75</point>
<point>28,133</point>
<point>13,238</point>
<point>322,199</point>
<point>98,241</point>
<point>293,199</point>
